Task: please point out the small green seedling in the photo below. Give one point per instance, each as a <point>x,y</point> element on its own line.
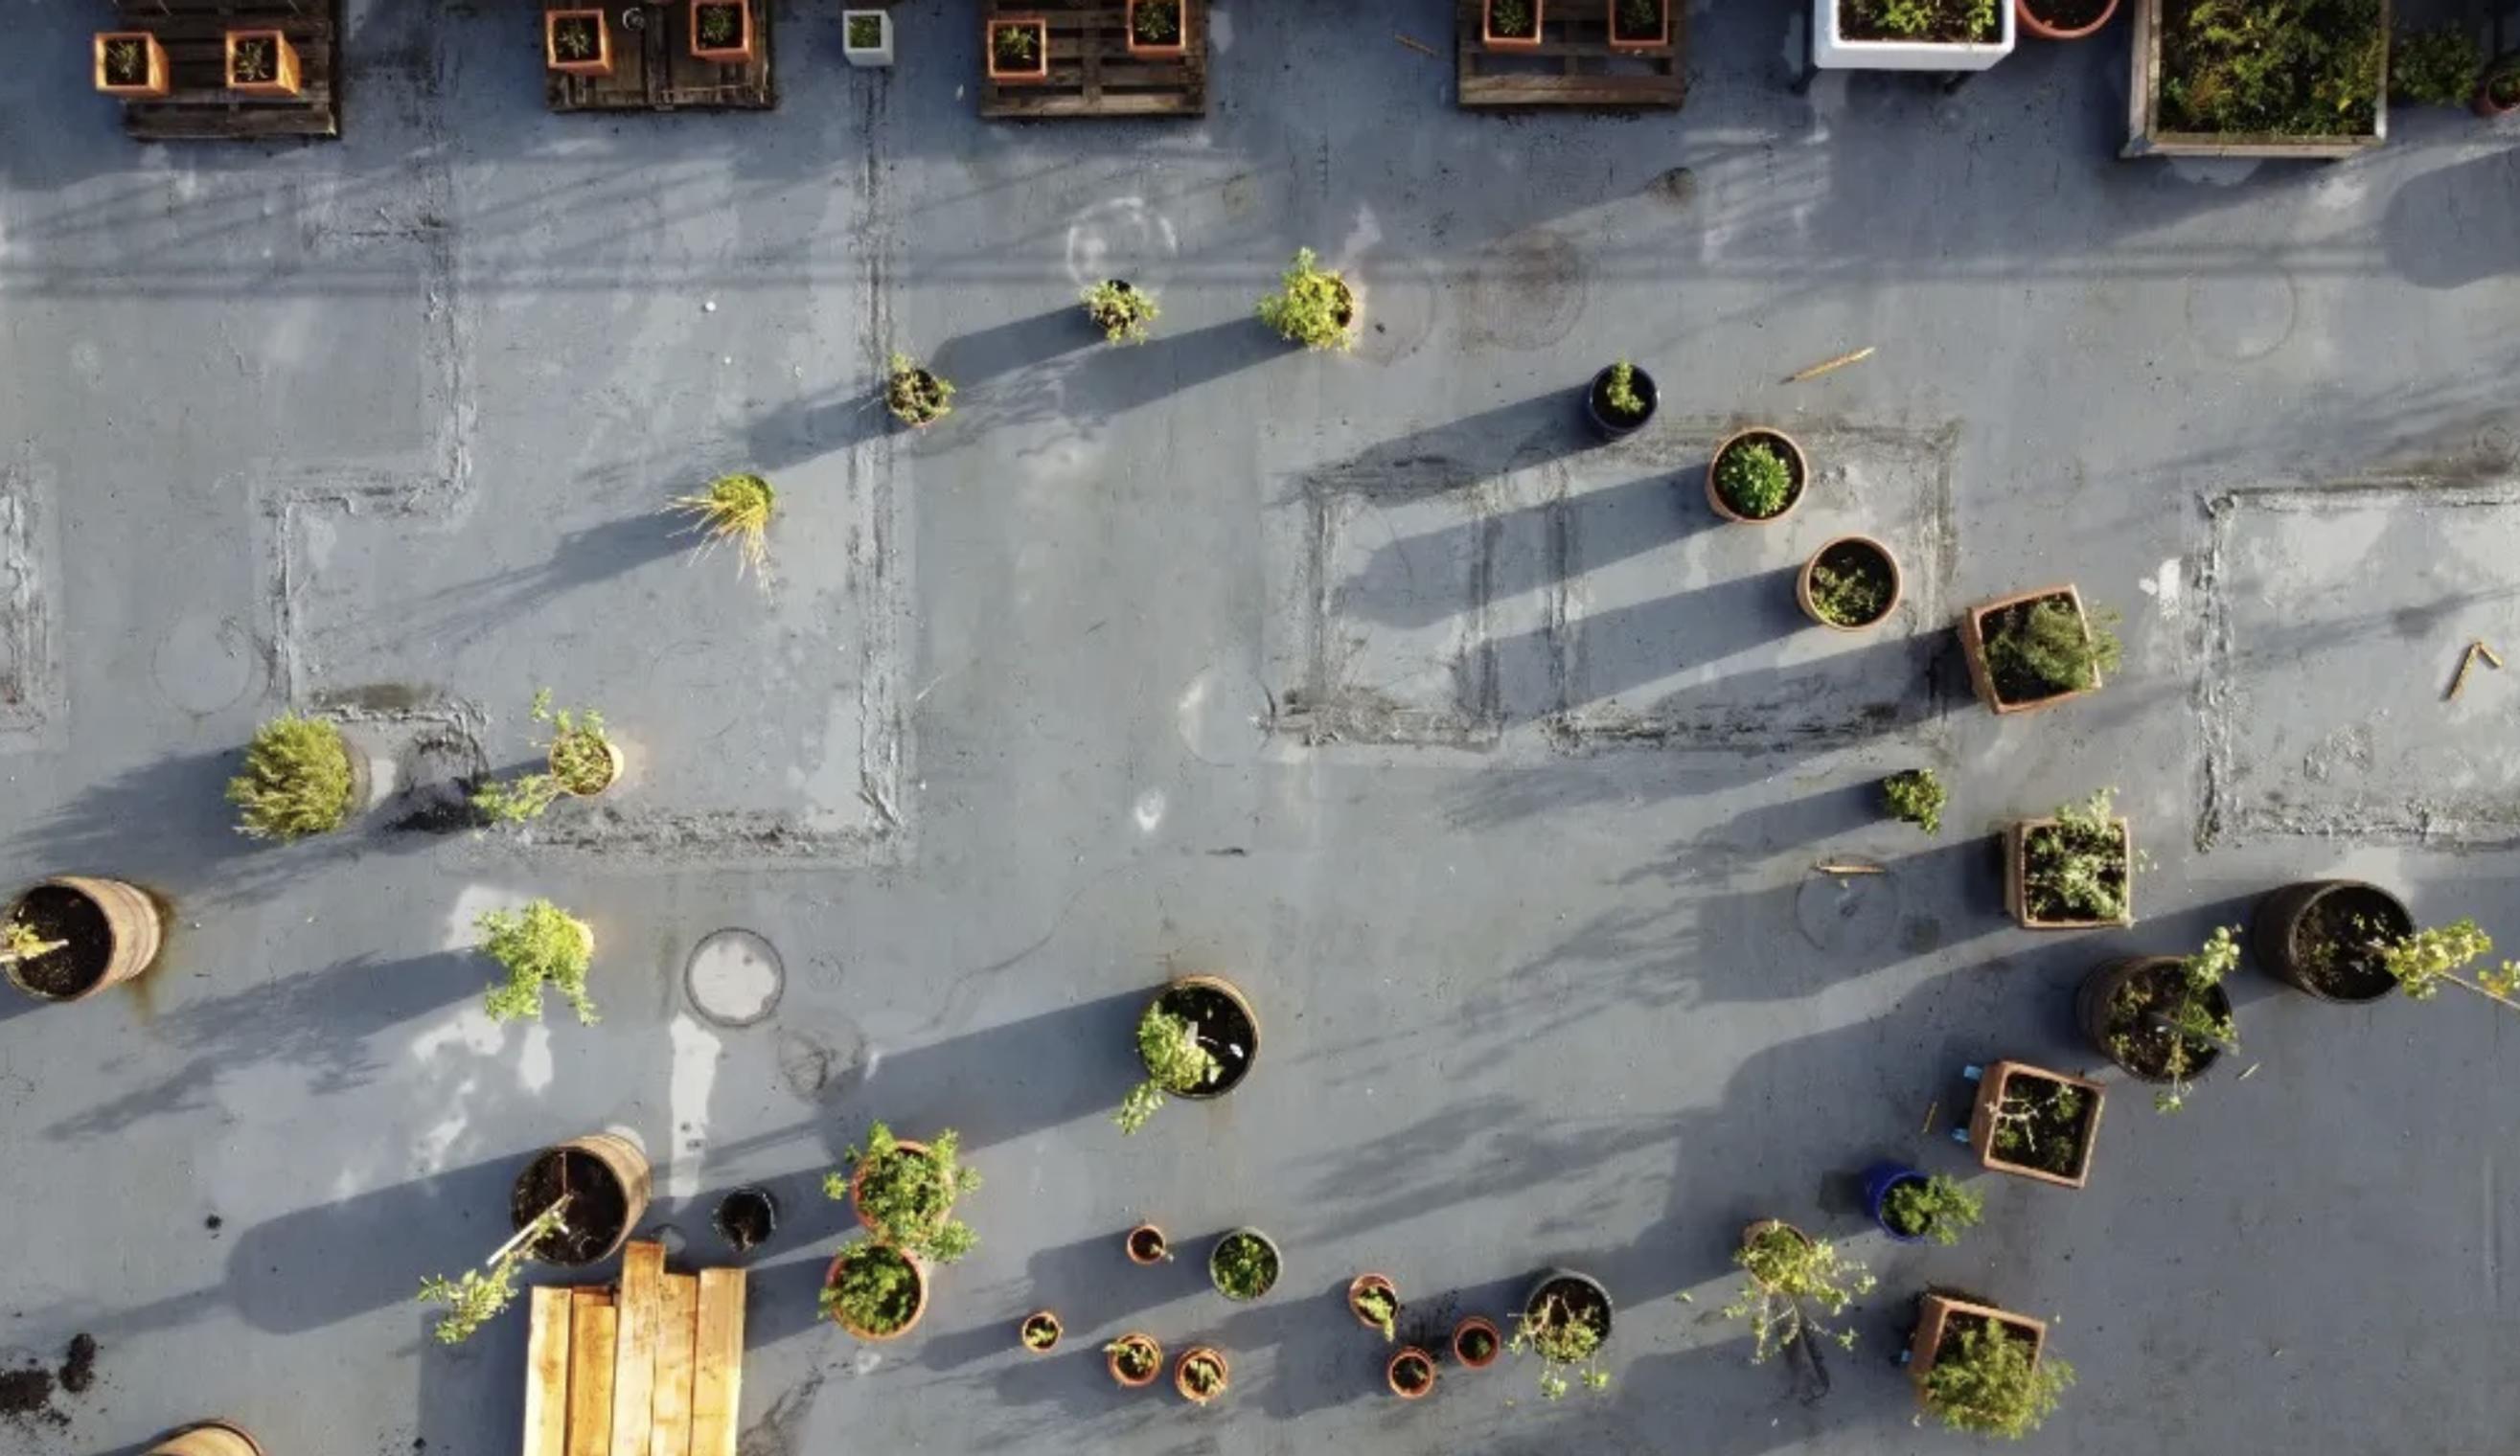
<point>1915,796</point>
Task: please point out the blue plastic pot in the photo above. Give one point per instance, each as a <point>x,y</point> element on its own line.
<point>1878,1180</point>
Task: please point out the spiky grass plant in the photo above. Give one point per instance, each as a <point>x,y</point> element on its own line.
<point>735,509</point>
<point>296,780</point>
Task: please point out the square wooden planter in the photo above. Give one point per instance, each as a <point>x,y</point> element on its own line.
<point>1934,1314</point>
<point>153,82</point>
<point>2146,137</point>
<point>1974,646</point>
<point>1038,74</point>
<point>1173,50</point>
<point>2016,877</point>
<point>285,73</point>
<point>1489,39</point>
<point>598,65</point>
<point>740,51</point>
<point>1990,1095</point>
<point>1661,42</point>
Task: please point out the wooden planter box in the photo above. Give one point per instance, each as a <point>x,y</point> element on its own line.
<point>153,82</point>
<point>1934,1316</point>
<point>2016,877</point>
<point>741,53</point>
<point>2147,138</point>
<point>1539,28</point>
<point>1990,1095</point>
<point>1173,50</point>
<point>1972,627</point>
<point>1610,29</point>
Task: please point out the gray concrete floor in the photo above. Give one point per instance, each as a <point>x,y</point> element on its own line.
<point>1482,757</point>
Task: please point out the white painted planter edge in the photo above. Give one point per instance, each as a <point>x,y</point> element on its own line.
<point>880,56</point>
<point>1829,53</point>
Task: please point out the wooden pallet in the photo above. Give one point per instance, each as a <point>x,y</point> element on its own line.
<point>1092,72</point>
<point>198,104</point>
<point>651,1368</point>
<point>1574,66</point>
<point>654,68</point>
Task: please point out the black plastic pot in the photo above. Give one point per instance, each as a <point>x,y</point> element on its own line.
<point>2277,925</point>
<point>745,1217</point>
<point>1582,1293</point>
<point>1228,1027</point>
<point>2099,989</point>
<point>1611,427</point>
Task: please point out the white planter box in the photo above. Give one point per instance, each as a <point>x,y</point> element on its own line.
<point>1829,53</point>
<point>874,56</point>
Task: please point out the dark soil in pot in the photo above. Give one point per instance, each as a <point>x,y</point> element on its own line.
<point>597,1205</point>
<point>2043,902</point>
<point>1147,1243</point>
<point>127,68</point>
<point>2060,1118</point>
<point>2120,1005</point>
<point>1582,1299</point>
<point>745,1217</point>
<point>1412,1375</point>
<point>2335,944</point>
<point>56,913</point>
<point>1223,1028</point>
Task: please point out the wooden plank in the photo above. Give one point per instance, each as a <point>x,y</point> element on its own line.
<point>677,1337</point>
<point>590,1372</point>
<point>640,1306</point>
<point>547,1375</point>
<point>1092,72</point>
<point>1574,65</point>
<point>717,1363</point>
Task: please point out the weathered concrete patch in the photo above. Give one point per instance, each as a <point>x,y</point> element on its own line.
<point>26,685</point>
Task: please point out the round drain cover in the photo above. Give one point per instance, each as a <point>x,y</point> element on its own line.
<point>734,978</point>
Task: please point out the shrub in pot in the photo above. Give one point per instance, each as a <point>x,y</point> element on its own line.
<point>1477,1343</point>
<point>1019,49</point>
<point>130,63</point>
<point>1145,1246</point>
<point>1639,25</point>
<point>1850,584</point>
<point>476,1297</point>
<point>2072,872</point>
<point>722,32</point>
<point>1915,796</point>
<point>1157,29</point>
<point>1313,306</point>
<point>1756,476</point>
<point>1120,311</point>
<point>1411,1373</point>
<point>299,778</point>
<point>904,1192</point>
<point>1983,1369</point>
<point>1039,1332</point>
<point>1913,1208</point>
<point>2498,91</point>
<point>2038,649</point>
<point>261,63</point>
<point>1510,25</point>
<point>603,1179</point>
<point>1135,1359</point>
<point>538,945</point>
<point>1925,21</point>
<point>1620,400</point>
<point>2063,20</point>
<point>583,763</point>
<point>2036,1122</point>
<point>1197,1038</point>
<point>72,936</point>
<point>1564,1322</point>
<point>2435,68</point>
<point>1243,1265</point>
<point>1201,1374</point>
<point>2163,1018</point>
<point>2310,69</point>
<point>1376,1303</point>
<point>874,1291</point>
<point>916,395</point>
<point>1796,1284</point>
<point>577,42</point>
<point>733,509</point>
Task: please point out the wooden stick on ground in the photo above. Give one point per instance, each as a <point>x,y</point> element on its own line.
<point>1825,868</point>
<point>1416,45</point>
<point>1830,365</point>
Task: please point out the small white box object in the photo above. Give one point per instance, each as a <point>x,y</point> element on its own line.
<point>881,54</point>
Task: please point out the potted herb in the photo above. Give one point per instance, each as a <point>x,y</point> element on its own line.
<point>722,32</point>
<point>1197,1038</point>
<point>1145,1246</point>
<point>2064,19</point>
<point>577,42</point>
<point>2329,939</point>
<point>1120,311</point>
<point>866,37</point>
<point>1157,29</point>
<point>606,1181</point>
<point>2072,872</point>
<point>1639,25</point>
<point>130,63</point>
<point>1039,1332</point>
<point>733,509</point>
<point>1795,1283</point>
<point>1945,36</point>
<point>916,396</point>
<point>1566,1320</point>
<point>1620,400</point>
<point>1981,1369</point>
<point>1376,1303</point>
<point>2163,1018</point>
<point>1411,1371</point>
<point>1477,1344</point>
<point>539,946</point>
<point>2213,77</point>
<point>1313,306</point>
<point>1510,25</point>
<point>1201,1376</point>
<point>476,1298</point>
<point>2036,1122</point>
<point>874,1291</point>
<point>261,63</point>
<point>1850,584</point>
<point>2038,649</point>
<point>72,936</point>
<point>1756,475</point>
<point>583,763</point>
<point>1911,1208</point>
<point>2499,92</point>
<point>1019,50</point>
<point>1243,1265</point>
<point>2436,67</point>
<point>904,1192</point>
<point>1915,796</point>
<point>2423,962</point>
<point>1135,1359</point>
<point>299,778</point>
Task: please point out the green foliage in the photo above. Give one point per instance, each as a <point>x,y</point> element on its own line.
<point>1120,311</point>
<point>878,1289</point>
<point>2055,644</point>
<point>1204,1374</point>
<point>1638,19</point>
<point>1795,1282</point>
<point>719,24</point>
<point>1923,19</point>
<point>1938,1208</point>
<point>2504,86</point>
<point>2036,1121</point>
<point>580,760</point>
<point>1567,1347</point>
<point>1619,391</point>
<point>1016,47</point>
<point>1308,306</point>
<point>2077,868</point>
<point>476,1297</point>
<point>865,32</point>
<point>1851,599</point>
<point>916,395</point>
<point>1244,1266</point>
<point>253,61</point>
<point>1039,1332</point>
<point>1915,796</point>
<point>1136,1357</point>
<point>1755,479</point>
<point>540,945</point>
<point>1157,22</point>
<point>737,508</point>
<point>2429,959</point>
<point>909,1195</point>
<point>19,943</point>
<point>2186,1012</point>
<point>1378,1306</point>
<point>1511,17</point>
<point>1988,1386</point>
<point>296,780</point>
<point>2436,67</point>
<point>1169,1047</point>
<point>574,38</point>
<point>126,62</point>
<point>2270,67</point>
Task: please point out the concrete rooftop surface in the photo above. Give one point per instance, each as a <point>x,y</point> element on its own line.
<point>1480,754</point>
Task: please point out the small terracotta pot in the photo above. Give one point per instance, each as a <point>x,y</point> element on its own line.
<point>1934,1315</point>
<point>209,1439</point>
<point>598,65</point>
<point>153,81</point>
<point>2486,105</point>
<point>1990,1096</point>
<point>1129,1245</point>
<point>738,54</point>
<point>918,1273</point>
<point>1811,608</point>
<point>1173,50</point>
<point>133,933</point>
<point>1795,462</point>
<point>285,77</point>
<point>1035,75</point>
<point>630,1170</point>
<point>1023,1331</point>
<point>1478,1324</point>
<point>1359,1285</point>
<point>1489,39</point>
<point>1391,1373</point>
<point>1180,1373</point>
<point>1154,1366</point>
<point>1659,42</point>
<point>1973,648</point>
<point>2031,23</point>
<point>2016,877</point>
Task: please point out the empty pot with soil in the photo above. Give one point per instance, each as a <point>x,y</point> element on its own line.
<point>745,1217</point>
<point>605,1180</point>
<point>1477,1343</point>
<point>2036,1122</point>
<point>71,937</point>
<point>1850,584</point>
<point>1756,476</point>
<point>1620,400</point>
<point>1411,1373</point>
<point>2328,939</point>
<point>1146,1245</point>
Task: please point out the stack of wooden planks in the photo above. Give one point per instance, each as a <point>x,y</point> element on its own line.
<point>651,1368</point>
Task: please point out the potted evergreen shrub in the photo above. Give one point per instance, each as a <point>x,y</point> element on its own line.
<point>1158,30</point>
<point>476,1298</point>
<point>2064,19</point>
<point>1120,311</point>
<point>1984,1370</point>
<point>1313,306</point>
<point>1411,1373</point>
<point>1243,1265</point>
<point>2498,92</point>
<point>735,509</point>
<point>916,396</point>
<point>1620,400</point>
<point>1934,35</point>
<point>2072,872</point>
<point>903,1193</point>
<point>1019,50</point>
<point>1145,1246</point>
<point>2435,68</point>
<point>1197,1038</point>
<point>583,763</point>
<point>1911,1208</point>
<point>604,1181</point>
<point>1477,1343</point>
<point>1796,1284</point>
<point>2164,1018</point>
<point>261,63</point>
<point>1850,584</point>
<point>539,946</point>
<point>2329,939</point>
<point>721,32</point>
<point>130,65</point>
<point>2211,77</point>
<point>866,37</point>
<point>1374,1301</point>
<point>1565,1322</point>
<point>301,778</point>
<point>1201,1374</point>
<point>1040,1331</point>
<point>1915,796</point>
<point>1511,25</point>
<point>577,42</point>
<point>2036,1122</point>
<point>72,936</point>
<point>1639,25</point>
<point>1756,475</point>
<point>1135,1359</point>
<point>874,1291</point>
<point>2038,649</point>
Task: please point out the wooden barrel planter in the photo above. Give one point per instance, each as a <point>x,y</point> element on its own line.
<point>607,1181</point>
<point>112,929</point>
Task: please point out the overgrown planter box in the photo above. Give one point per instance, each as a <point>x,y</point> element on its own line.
<point>2148,136</point>
<point>1934,1315</point>
<point>2016,877</point>
<point>2005,1078</point>
<point>1832,52</point>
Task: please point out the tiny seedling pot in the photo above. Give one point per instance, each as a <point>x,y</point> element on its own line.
<point>1135,1245</point>
<point>1934,1314</point>
<point>1889,561</point>
<point>209,1439</point>
<point>113,930</point>
<point>738,1211</point>
<point>1990,1096</point>
<point>1172,50</point>
<point>152,79</point>
<point>284,79</point>
<point>1035,75</point>
<point>1795,462</point>
<point>1405,1357</point>
<point>2016,877</point>
<point>1491,40</point>
<point>598,65</point>
<point>2098,991</point>
<point>918,1276</point>
<point>1154,1362</point>
<point>620,1158</point>
<point>1883,1179</point>
<point>1620,40</point>
<point>878,53</point>
<point>2027,12</point>
<point>1023,1331</point>
<point>741,51</point>
<point>1358,1286</point>
<point>1973,648</point>
<point>1478,1324</point>
<point>1609,426</point>
<point>1180,1373</point>
<point>2277,924</point>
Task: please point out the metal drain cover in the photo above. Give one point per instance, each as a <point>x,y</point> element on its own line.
<point>734,978</point>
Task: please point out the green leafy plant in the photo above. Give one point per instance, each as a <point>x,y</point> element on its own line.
<point>1619,391</point>
<point>1795,1283</point>
<point>2504,86</point>
<point>909,1195</point>
<point>1244,1266</point>
<point>865,32</point>
<point>1016,47</point>
<point>2270,67</point>
<point>573,38</point>
<point>735,509</point>
<point>477,1297</point>
<point>1176,1063</point>
<point>541,944</point>
<point>2429,959</point>
<point>916,395</point>
<point>876,1291</point>
<point>1938,1208</point>
<point>1312,306</point>
<point>1156,22</point>
<point>1378,1306</point>
<point>2436,67</point>
<point>2076,867</point>
<point>1850,595</point>
<point>1922,20</point>
<point>296,780</point>
<point>1120,311</point>
<point>1040,1332</point>
<point>1755,479</point>
<point>2039,1123</point>
<point>2178,1008</point>
<point>19,943</point>
<point>1986,1380</point>
<point>1136,1357</point>
<point>1916,797</point>
<point>581,761</point>
<point>1568,1346</point>
<point>1203,1374</point>
<point>252,61</point>
<point>719,24</point>
<point>126,62</point>
<point>2052,643</point>
<point>1511,17</point>
<point>1638,19</point>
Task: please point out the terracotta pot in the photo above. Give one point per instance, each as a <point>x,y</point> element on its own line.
<point>1934,1315</point>
<point>209,1439</point>
<point>612,752</point>
<point>2098,992</point>
<point>1990,1094</point>
<point>2016,877</point>
<point>1231,1070</point>
<point>1173,50</point>
<point>918,1273</point>
<point>1795,460</point>
<point>1756,1227</point>
<point>741,53</point>
<point>1035,75</point>
<point>1974,646</point>
<point>1129,1245</point>
<point>285,77</point>
<point>630,1172</point>
<point>133,932</point>
<point>153,81</point>
<point>598,65</point>
<point>1359,1285</point>
<point>1659,42</point>
<point>1811,608</point>
<point>858,1178</point>
<point>1489,39</point>
<point>2030,22</point>
<point>2486,105</point>
<point>1391,1373</point>
<point>1477,1323</point>
<point>1155,1367</point>
<point>1023,1331</point>
<point>2276,925</point>
<point>1180,1373</point>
